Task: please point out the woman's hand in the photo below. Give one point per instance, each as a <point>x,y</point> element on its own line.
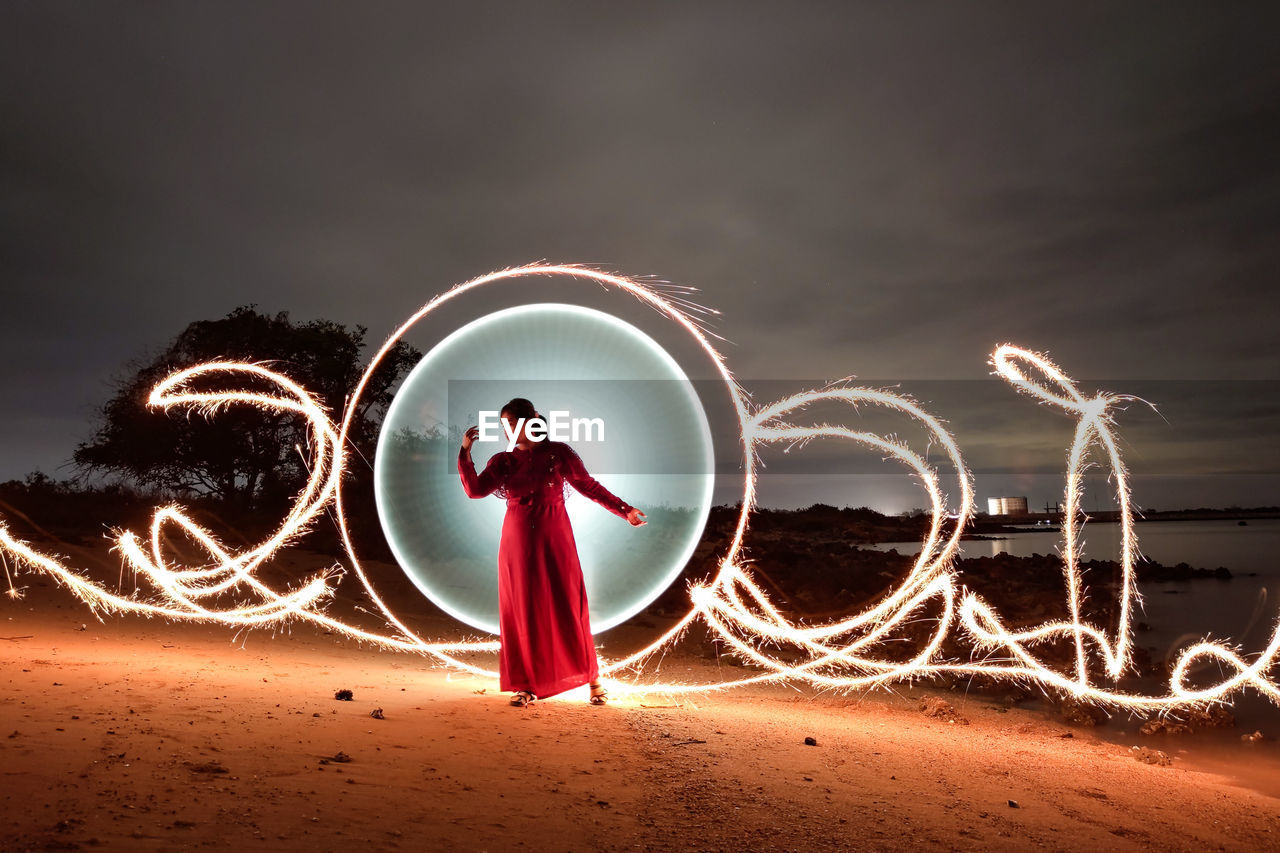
<point>470,436</point>
<point>636,518</point>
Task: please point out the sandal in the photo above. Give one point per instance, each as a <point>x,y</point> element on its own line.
<point>522,698</point>
<point>599,695</point>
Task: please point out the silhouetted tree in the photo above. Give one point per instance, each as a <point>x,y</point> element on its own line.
<point>242,457</point>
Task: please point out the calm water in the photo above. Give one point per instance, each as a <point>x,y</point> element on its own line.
<point>1243,608</point>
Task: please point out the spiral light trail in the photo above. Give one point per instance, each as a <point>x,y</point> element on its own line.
<point>846,653</point>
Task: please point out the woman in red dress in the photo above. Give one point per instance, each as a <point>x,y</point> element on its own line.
<point>545,630</point>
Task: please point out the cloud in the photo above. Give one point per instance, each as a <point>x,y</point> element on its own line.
<point>886,191</point>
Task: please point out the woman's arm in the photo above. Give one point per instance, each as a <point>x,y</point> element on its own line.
<point>483,484</point>
<point>576,473</point>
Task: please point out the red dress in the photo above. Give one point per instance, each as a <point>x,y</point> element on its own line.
<point>545,629</point>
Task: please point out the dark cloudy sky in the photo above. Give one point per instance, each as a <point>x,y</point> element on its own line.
<point>880,189</point>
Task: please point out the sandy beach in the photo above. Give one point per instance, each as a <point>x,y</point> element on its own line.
<point>139,734</point>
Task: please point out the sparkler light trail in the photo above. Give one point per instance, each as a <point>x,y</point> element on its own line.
<point>848,653</point>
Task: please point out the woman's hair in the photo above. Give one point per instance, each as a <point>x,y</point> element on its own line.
<point>518,408</point>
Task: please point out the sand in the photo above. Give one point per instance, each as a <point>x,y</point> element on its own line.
<point>145,735</point>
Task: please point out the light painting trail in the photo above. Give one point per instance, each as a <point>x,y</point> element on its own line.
<point>845,654</point>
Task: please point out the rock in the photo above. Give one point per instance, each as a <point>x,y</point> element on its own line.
<point>932,707</point>
<point>1079,713</point>
<point>1152,756</point>
<point>341,758</point>
<point>376,713</point>
<point>942,709</point>
<point>344,695</point>
<point>1164,726</point>
<point>1211,717</point>
<point>1013,804</point>
<point>1256,737</point>
<point>811,741</point>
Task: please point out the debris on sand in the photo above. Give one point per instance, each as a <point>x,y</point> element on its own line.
<point>1256,737</point>
<point>376,713</point>
<point>344,695</point>
<point>1152,756</point>
<point>942,709</point>
<point>208,767</point>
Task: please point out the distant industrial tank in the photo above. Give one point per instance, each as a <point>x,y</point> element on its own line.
<point>1007,506</point>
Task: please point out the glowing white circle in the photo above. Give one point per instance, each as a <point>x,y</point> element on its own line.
<point>657,455</point>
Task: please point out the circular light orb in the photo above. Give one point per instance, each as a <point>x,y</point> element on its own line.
<point>654,451</point>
